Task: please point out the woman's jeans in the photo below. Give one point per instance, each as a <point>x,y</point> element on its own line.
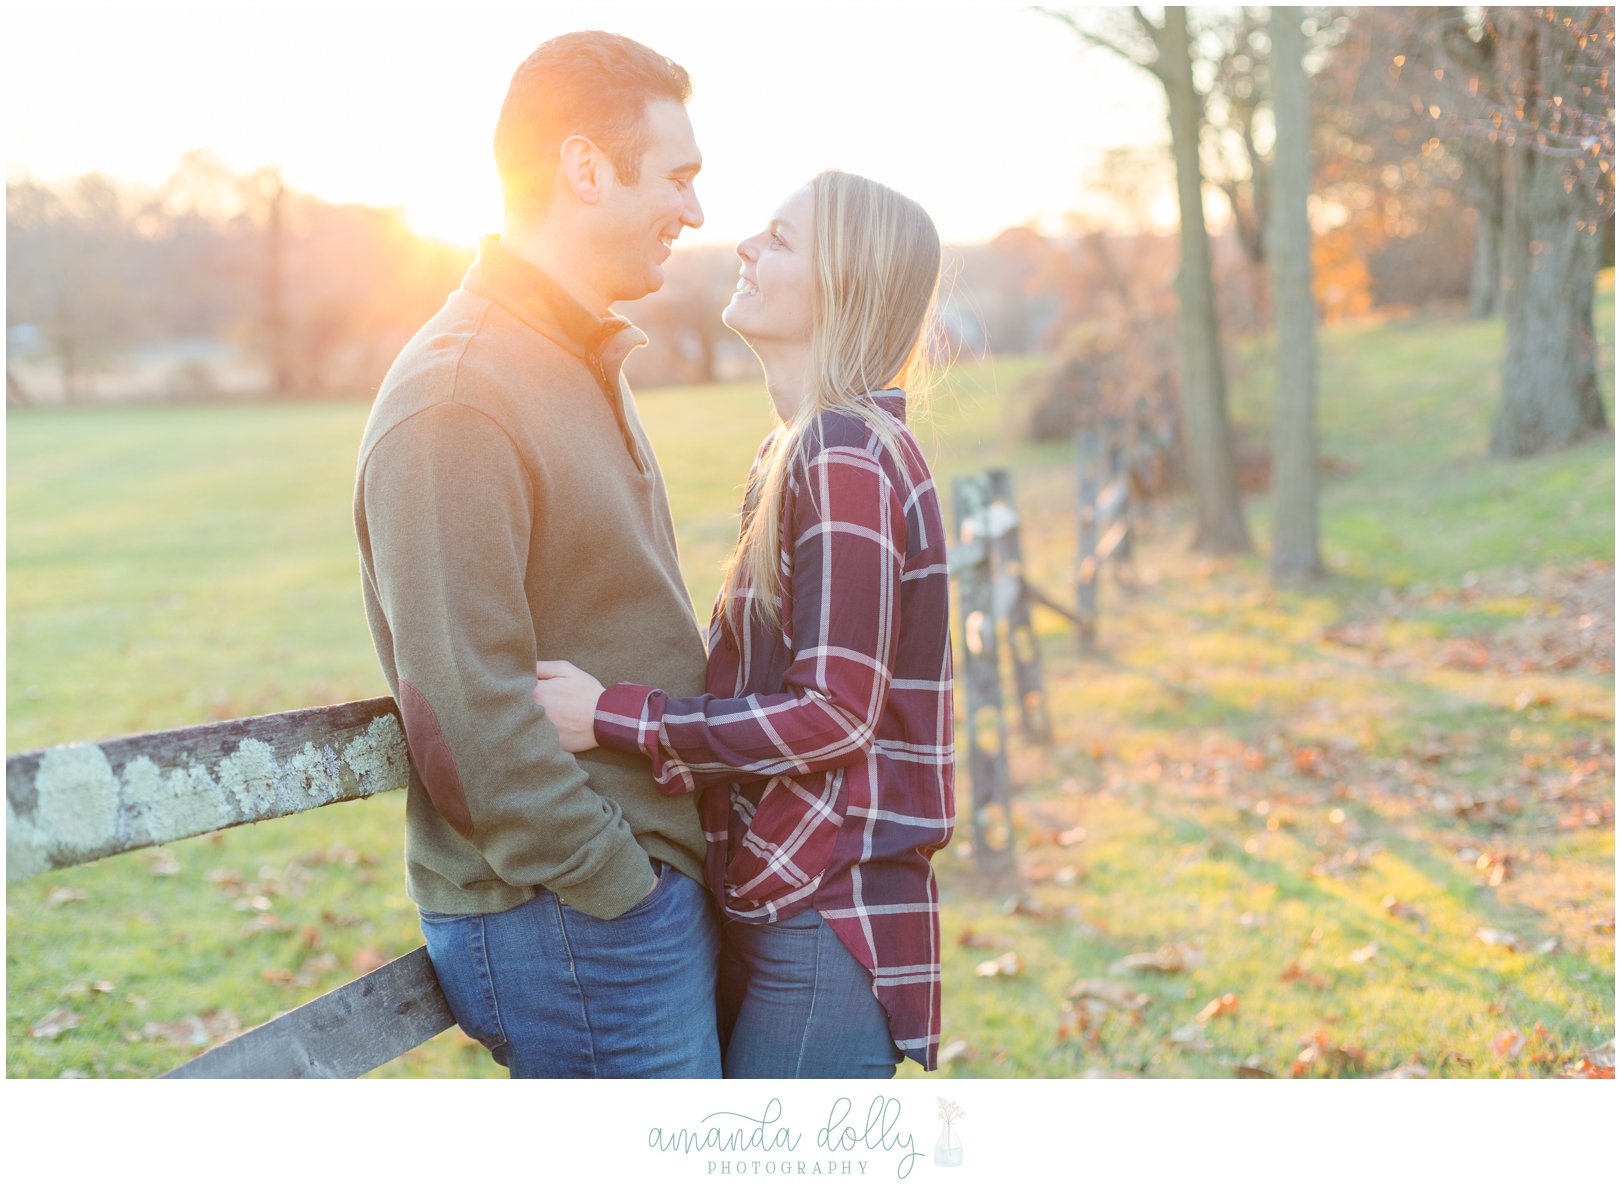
<point>798,1005</point>
<point>556,993</point>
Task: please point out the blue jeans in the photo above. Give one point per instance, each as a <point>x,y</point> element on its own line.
<point>795,1004</point>
<point>553,992</point>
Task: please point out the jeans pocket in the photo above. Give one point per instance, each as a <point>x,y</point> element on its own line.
<point>661,873</point>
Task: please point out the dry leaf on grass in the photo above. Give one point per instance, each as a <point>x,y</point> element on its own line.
<point>193,1031</point>
<point>957,1050</point>
<point>1168,959</point>
<point>367,960</point>
<point>1402,911</point>
<point>1191,1037</point>
<point>57,897</point>
<point>53,1023</point>
<point>1007,966</point>
<point>1408,1069</point>
<point>1323,1058</point>
<point>1223,1006</point>
<point>1500,937</point>
<point>1107,994</point>
<point>1509,1045</point>
<point>1366,954</point>
<point>969,940</point>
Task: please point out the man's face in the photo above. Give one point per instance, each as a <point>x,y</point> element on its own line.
<point>638,223</point>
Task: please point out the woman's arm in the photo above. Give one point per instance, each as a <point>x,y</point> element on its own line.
<point>848,528</point>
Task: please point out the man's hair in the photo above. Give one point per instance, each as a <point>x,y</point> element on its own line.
<point>591,84</point>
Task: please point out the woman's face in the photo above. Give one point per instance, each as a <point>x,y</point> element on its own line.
<point>775,297</point>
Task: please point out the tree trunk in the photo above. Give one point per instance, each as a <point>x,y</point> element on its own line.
<point>1219,514</point>
<point>1485,177</point>
<point>1550,385</point>
<point>1294,443</point>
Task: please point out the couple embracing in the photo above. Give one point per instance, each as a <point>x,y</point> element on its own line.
<point>635,855</point>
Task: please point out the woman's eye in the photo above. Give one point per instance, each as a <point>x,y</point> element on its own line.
<point>778,240</point>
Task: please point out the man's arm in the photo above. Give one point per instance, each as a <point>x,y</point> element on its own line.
<point>448,512</point>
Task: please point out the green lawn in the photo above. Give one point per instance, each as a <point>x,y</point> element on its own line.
<point>1269,782</point>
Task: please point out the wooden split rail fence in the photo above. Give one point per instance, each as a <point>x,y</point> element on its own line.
<point>995,599</point>
<point>85,801</point>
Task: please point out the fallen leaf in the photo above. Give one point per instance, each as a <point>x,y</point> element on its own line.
<point>162,862</point>
<point>1323,1058</point>
<point>367,960</point>
<point>1168,959</point>
<point>1026,906</point>
<point>192,1031</point>
<point>266,922</point>
<point>1509,1045</point>
<point>1191,1037</point>
<point>1500,937</point>
<point>57,897</point>
<point>1598,1062</point>
<point>1072,837</point>
<point>1294,972</point>
<point>1366,954</point>
<point>957,1050</point>
<point>1108,994</point>
<point>1006,966</point>
<point>276,976</point>
<point>1223,1006</point>
<point>53,1023</point>
<point>1251,1067</point>
<point>1408,1069</point>
<point>1405,912</point>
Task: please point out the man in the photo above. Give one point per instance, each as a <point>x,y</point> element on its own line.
<point>508,508</point>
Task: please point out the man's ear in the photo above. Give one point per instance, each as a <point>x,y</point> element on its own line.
<point>584,167</point>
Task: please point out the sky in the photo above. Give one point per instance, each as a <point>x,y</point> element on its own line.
<point>990,114</point>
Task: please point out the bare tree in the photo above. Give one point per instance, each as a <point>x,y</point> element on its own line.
<point>1295,553</point>
<point>1163,49</point>
<point>1544,97</point>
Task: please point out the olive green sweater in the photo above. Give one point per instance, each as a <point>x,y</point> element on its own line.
<point>509,509</point>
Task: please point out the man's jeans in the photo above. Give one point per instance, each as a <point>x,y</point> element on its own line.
<point>556,993</point>
<point>797,1005</point>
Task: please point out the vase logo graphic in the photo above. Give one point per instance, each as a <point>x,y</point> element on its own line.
<point>948,1148</point>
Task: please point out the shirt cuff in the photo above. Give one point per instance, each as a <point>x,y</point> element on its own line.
<point>629,719</point>
<point>622,722</point>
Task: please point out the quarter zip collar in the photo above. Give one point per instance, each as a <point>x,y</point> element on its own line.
<point>540,302</point>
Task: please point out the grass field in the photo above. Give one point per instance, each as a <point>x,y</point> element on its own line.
<point>1361,825</point>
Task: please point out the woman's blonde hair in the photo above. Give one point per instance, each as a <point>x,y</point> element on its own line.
<point>875,267</point>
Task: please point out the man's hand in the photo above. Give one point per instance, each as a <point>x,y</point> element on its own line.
<point>569,696</point>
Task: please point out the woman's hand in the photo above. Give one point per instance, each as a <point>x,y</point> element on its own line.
<point>569,696</point>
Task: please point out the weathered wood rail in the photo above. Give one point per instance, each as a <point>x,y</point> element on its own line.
<point>86,801</point>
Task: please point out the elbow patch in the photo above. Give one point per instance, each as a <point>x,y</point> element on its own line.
<point>434,763</point>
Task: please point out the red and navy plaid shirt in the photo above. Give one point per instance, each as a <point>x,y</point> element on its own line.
<point>824,748</point>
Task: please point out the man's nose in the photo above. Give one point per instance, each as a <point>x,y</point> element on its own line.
<point>693,216</point>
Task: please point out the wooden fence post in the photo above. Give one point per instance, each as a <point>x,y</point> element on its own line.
<point>1012,604</point>
<point>987,725</point>
<point>1089,466</point>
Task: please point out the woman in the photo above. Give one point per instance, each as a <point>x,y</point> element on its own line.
<point>823,746</point>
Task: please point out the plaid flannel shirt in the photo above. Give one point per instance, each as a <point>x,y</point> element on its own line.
<point>824,750</point>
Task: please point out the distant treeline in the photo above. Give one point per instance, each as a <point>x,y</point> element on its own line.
<point>215,282</point>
